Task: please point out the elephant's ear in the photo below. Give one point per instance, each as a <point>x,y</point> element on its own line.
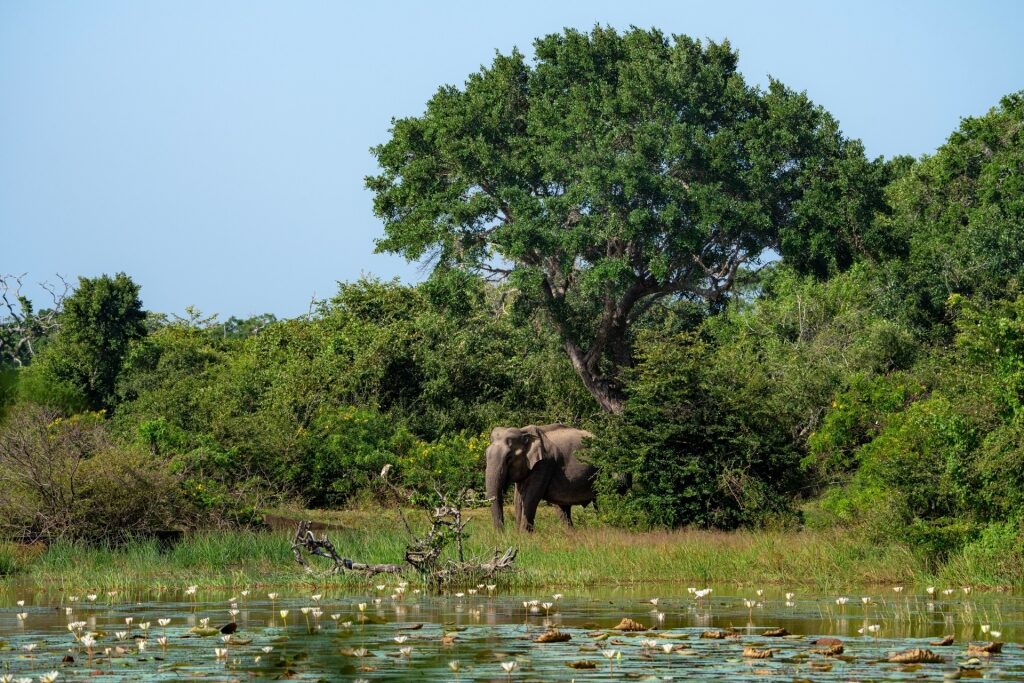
<point>537,451</point>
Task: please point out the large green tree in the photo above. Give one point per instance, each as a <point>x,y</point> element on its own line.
<point>960,215</point>
<point>99,321</point>
<point>618,170</point>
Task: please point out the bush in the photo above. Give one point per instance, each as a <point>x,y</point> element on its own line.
<point>343,451</point>
<point>449,464</point>
<point>65,479</point>
<point>998,552</point>
<point>696,450</point>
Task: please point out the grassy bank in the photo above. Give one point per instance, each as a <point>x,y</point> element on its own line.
<point>591,555</point>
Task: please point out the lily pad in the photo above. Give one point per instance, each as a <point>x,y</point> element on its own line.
<point>204,631</point>
<point>916,655</point>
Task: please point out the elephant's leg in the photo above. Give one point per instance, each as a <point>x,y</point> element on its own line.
<point>531,493</point>
<point>530,504</point>
<point>517,503</point>
<point>565,514</point>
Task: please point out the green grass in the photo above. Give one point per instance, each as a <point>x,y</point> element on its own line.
<point>591,555</point>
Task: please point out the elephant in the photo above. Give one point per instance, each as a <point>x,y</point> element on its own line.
<point>541,461</point>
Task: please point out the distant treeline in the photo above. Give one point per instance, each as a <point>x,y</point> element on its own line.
<point>872,376</point>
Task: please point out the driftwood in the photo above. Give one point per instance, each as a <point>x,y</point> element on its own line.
<point>425,554</point>
<point>306,540</point>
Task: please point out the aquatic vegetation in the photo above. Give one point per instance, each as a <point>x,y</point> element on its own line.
<point>441,638</point>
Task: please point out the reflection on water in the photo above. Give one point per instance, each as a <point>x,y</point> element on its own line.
<point>379,635</point>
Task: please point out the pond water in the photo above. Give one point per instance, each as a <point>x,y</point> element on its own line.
<point>484,630</point>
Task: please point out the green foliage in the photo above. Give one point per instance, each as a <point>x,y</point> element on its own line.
<point>960,214</point>
<point>997,553</point>
<point>696,452</point>
<point>617,170</point>
<point>854,419</point>
<point>343,451</point>
<point>98,324</point>
<point>451,463</point>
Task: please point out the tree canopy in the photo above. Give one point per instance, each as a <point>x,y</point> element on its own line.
<point>616,171</point>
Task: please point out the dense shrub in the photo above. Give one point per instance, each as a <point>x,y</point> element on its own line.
<point>65,478</point>
<point>695,454</point>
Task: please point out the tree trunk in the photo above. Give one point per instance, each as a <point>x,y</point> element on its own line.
<point>607,396</point>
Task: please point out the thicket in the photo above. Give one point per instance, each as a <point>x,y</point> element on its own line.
<point>871,377</point>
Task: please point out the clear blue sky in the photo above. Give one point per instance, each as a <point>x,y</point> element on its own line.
<point>215,151</point>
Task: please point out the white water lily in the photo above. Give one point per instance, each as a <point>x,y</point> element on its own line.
<point>88,641</point>
<point>360,652</point>
<point>471,591</point>
<point>162,641</point>
<point>381,586</point>
<point>406,650</point>
<point>142,645</point>
<point>453,665</point>
<point>948,591</point>
<point>22,616</point>
<point>304,610</point>
<point>842,601</point>
<point>121,635</point>
<point>362,606</point>
<point>897,589</point>
<point>226,638</point>
<point>985,628</point>
<point>220,652</point>
<point>995,634</point>
<point>69,610</point>
<point>267,649</point>
<point>245,593</point>
<point>401,639</point>
<point>930,590</point>
<point>163,621</point>
<point>667,647</point>
<point>967,590</point>
<point>316,598</point>
<point>129,620</point>
<point>509,667</point>
<point>233,612</point>
<point>144,625</point>
<point>204,622</point>
<point>866,600</point>
<point>459,595</point>
<point>272,596</point>
<point>49,677</point>
<point>789,596</point>
<point>284,614</point>
<point>91,597</point>
<point>191,590</point>
<point>491,587</point>
<point>29,647</point>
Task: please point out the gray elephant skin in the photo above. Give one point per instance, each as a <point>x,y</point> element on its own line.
<point>541,462</point>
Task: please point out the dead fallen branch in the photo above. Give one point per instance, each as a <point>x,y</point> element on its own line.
<point>306,540</point>
<point>425,554</point>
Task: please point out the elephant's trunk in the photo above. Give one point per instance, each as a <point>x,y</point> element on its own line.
<point>495,481</point>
